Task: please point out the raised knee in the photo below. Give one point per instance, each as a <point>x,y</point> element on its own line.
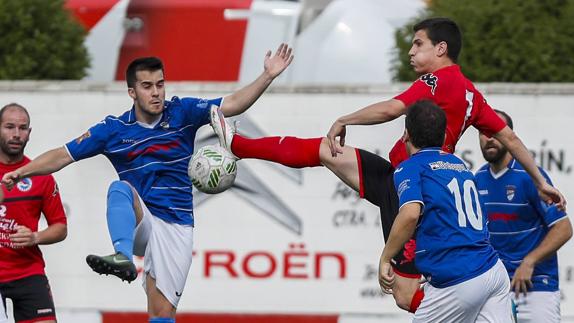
<point>121,187</point>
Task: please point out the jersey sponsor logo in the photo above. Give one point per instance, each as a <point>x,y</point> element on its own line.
<point>447,166</point>
<point>81,138</point>
<point>496,216</point>
<point>510,191</point>
<point>153,148</point>
<point>431,80</point>
<point>44,311</point>
<point>24,185</point>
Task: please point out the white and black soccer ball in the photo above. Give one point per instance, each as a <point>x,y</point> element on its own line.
<point>212,169</point>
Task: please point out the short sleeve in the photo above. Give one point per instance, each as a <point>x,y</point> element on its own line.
<point>408,183</point>
<point>91,143</point>
<point>550,213</point>
<point>52,207</point>
<point>197,110</point>
<point>486,120</point>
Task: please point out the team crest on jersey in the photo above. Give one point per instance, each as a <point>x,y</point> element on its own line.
<point>510,191</point>
<point>431,80</point>
<point>86,135</point>
<point>24,185</point>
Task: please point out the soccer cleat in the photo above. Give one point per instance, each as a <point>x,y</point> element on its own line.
<point>222,129</point>
<point>116,264</point>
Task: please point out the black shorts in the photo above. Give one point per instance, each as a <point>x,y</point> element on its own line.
<point>377,186</point>
<point>31,298</point>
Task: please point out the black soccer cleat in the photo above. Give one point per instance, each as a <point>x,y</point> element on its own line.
<point>116,264</point>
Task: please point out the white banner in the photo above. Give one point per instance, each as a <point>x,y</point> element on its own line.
<point>298,241</point>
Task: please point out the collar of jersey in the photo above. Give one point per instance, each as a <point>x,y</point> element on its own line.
<point>429,149</point>
<point>132,114</point>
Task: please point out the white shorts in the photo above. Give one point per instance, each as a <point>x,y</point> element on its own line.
<point>167,249</point>
<point>538,307</point>
<point>484,298</point>
<point>3,317</point>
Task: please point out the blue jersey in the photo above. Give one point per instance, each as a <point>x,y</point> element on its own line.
<point>519,220</point>
<point>451,237</point>
<point>152,159</point>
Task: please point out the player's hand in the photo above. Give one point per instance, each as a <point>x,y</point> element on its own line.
<point>522,280</point>
<point>24,237</point>
<point>10,179</point>
<point>338,129</point>
<point>551,195</point>
<point>386,277</point>
<point>277,63</point>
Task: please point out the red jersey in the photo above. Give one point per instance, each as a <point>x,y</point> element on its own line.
<point>463,104</point>
<point>23,206</point>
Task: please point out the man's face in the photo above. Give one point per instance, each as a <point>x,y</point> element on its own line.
<point>149,92</point>
<point>423,53</point>
<point>14,132</point>
<point>492,149</point>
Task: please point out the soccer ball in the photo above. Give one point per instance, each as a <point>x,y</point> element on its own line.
<point>212,169</point>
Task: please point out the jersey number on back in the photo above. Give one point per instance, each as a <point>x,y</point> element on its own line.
<point>465,208</point>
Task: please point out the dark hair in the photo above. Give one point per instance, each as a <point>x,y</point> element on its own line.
<point>11,106</point>
<point>142,64</point>
<point>426,124</point>
<point>442,29</point>
<point>507,118</point>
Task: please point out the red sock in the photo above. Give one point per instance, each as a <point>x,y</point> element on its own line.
<point>288,151</point>
<point>416,301</point>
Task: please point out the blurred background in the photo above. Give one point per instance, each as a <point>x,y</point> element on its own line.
<point>298,246</point>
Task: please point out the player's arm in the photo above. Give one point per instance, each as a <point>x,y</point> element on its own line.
<point>403,229</point>
<point>547,192</point>
<point>24,237</point>
<point>380,112</point>
<point>243,98</point>
<point>47,163</point>
<point>556,237</point>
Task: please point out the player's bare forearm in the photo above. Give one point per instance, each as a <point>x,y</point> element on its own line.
<point>244,98</point>
<point>515,146</point>
<point>403,229</point>
<point>47,163</point>
<point>53,233</point>
<point>556,237</point>
<point>547,192</point>
<point>380,112</point>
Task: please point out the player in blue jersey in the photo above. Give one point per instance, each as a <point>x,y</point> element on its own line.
<point>150,146</point>
<point>440,204</point>
<point>524,230</point>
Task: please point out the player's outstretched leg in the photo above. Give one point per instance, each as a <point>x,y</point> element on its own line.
<point>289,151</point>
<point>121,224</point>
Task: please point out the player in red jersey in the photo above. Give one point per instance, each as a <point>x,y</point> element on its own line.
<point>22,276</point>
<point>435,48</point>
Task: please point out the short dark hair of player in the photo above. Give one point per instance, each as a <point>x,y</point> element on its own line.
<point>10,106</point>
<point>442,29</point>
<point>506,117</point>
<point>142,64</point>
<point>426,124</point>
